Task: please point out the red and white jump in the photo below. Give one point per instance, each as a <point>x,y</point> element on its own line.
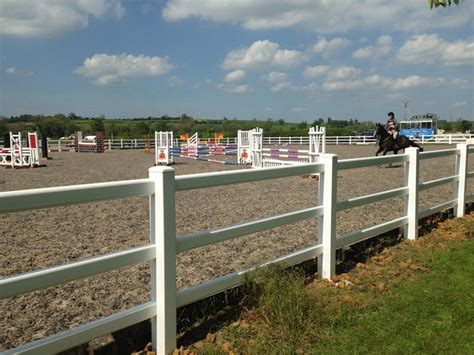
<point>18,155</point>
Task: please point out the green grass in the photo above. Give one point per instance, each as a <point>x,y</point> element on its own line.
<point>413,298</point>
<point>435,314</point>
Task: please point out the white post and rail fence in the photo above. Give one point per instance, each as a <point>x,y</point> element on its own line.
<point>140,143</point>
<point>161,187</point>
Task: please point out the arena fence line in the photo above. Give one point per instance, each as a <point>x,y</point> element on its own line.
<point>161,187</point>
<point>140,143</point>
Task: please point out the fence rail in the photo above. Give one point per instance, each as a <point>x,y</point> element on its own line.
<point>140,143</point>
<point>161,187</point>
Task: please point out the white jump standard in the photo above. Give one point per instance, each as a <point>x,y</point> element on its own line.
<point>274,157</point>
<point>163,146</point>
<point>249,150</point>
<point>19,156</point>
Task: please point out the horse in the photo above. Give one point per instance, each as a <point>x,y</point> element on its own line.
<point>387,143</point>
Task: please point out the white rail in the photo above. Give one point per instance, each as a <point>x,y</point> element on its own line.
<point>139,143</point>
<point>162,185</point>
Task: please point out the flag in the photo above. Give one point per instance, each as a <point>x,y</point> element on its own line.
<point>218,136</point>
<point>183,136</point>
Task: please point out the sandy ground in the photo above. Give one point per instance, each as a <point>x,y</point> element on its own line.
<point>36,239</point>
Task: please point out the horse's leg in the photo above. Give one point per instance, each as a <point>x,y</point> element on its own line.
<point>378,151</point>
<point>413,144</point>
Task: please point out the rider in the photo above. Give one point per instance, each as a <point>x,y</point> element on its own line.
<point>392,125</point>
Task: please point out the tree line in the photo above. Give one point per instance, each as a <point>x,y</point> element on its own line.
<point>61,125</point>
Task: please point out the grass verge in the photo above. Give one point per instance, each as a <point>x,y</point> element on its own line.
<point>415,297</point>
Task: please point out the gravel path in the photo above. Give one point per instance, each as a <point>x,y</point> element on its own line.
<point>42,238</point>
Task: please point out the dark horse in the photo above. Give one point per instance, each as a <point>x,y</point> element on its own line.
<point>387,143</point>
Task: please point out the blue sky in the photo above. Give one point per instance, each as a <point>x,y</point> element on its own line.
<point>296,60</point>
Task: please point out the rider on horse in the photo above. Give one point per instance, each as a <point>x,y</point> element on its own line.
<point>392,126</point>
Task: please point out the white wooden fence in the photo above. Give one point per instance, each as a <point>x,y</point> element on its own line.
<point>161,187</point>
<point>136,143</point>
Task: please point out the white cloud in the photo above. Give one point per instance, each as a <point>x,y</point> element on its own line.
<point>346,83</point>
<point>276,77</point>
<point>312,87</point>
<point>431,49</point>
<point>320,16</point>
<point>376,79</point>
<point>26,18</point>
<point>174,82</point>
<point>262,55</point>
<point>342,73</point>
<point>364,53</point>
<point>312,72</point>
<point>268,109</point>
<point>235,75</point>
<point>106,69</point>
<point>460,83</point>
<point>382,48</point>
<point>328,49</point>
<point>298,109</point>
<point>384,41</point>
<point>410,82</point>
<point>17,72</point>
<point>279,81</point>
<point>460,104</point>
<point>281,86</point>
<point>233,89</point>
<point>342,85</point>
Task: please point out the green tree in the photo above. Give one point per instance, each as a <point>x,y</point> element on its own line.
<point>267,125</point>
<point>303,124</point>
<point>318,122</point>
<point>72,116</point>
<point>186,123</point>
<point>142,128</point>
<point>160,126</point>
<point>461,125</point>
<point>52,127</point>
<point>442,3</point>
<point>98,124</point>
<point>3,127</point>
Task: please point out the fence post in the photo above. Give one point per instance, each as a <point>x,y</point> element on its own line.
<point>411,201</point>
<point>461,172</point>
<point>163,267</point>
<point>327,232</point>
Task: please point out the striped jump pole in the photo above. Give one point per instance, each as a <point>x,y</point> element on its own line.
<point>207,159</point>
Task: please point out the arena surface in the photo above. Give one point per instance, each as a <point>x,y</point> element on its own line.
<point>42,238</point>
